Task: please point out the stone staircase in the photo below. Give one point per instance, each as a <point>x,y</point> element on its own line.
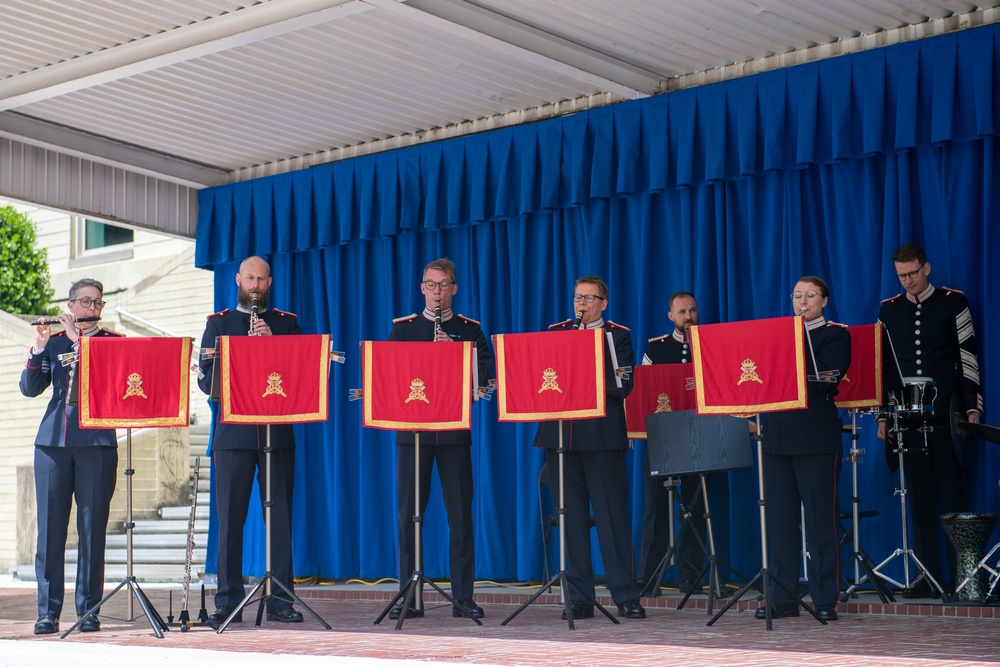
<point>158,545</point>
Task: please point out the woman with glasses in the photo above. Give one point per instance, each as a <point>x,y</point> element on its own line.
<point>801,459</point>
<point>69,462</point>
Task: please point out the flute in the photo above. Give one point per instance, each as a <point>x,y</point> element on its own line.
<point>45,321</point>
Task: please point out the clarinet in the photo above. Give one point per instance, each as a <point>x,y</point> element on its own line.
<point>437,319</point>
<point>579,319</point>
<point>253,315</point>
<point>184,619</point>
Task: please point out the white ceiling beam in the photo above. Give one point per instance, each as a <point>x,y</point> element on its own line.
<point>196,40</point>
<point>75,143</point>
<point>534,47</point>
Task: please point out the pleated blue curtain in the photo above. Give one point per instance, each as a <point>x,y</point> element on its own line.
<point>731,191</point>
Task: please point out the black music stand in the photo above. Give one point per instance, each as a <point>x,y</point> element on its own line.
<point>155,620</point>
<point>276,349</point>
<point>684,443</point>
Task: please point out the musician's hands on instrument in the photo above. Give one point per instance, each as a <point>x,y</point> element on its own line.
<point>973,417</point>
<point>42,334</point>
<point>442,337</point>
<point>68,321</point>
<point>881,429</point>
<point>260,328</point>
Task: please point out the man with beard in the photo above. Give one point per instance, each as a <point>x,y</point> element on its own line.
<point>238,450</point>
<point>672,348</point>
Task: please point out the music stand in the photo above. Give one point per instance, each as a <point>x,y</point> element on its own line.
<point>107,367</point>
<point>244,361</point>
<point>684,443</point>
<point>523,362</point>
<point>419,387</point>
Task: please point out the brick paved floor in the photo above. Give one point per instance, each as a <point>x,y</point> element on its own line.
<point>868,634</point>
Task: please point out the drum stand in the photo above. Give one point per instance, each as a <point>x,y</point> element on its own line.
<point>765,576</point>
<point>652,587</point>
<point>154,618</point>
<point>562,576</point>
<point>859,557</point>
<point>906,552</point>
<point>412,592</point>
<point>268,579</point>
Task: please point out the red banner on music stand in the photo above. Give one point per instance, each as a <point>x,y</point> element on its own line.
<point>861,387</point>
<point>274,379</point>
<point>417,386</point>
<point>751,366</point>
<point>550,375</point>
<point>134,382</point>
<point>658,388</point>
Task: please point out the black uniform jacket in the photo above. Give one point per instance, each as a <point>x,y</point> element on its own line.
<point>600,433</point>
<point>237,323</point>
<point>817,428</point>
<point>417,328</point>
<point>60,426</point>
<point>672,348</point>
<point>933,339</point>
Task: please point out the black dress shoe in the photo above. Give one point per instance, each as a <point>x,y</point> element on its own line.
<point>827,613</point>
<point>410,613</point>
<point>90,624</point>
<point>580,610</point>
<point>631,609</point>
<point>778,611</point>
<point>219,616</point>
<point>46,624</point>
<point>285,614</point>
<point>471,609</point>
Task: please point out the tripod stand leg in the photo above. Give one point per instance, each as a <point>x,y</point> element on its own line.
<point>298,601</point>
<point>652,588</point>
<point>246,601</point>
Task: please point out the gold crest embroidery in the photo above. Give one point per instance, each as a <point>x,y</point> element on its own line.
<point>549,380</point>
<point>663,403</point>
<point>417,391</point>
<point>274,386</point>
<point>749,367</point>
<point>134,386</point>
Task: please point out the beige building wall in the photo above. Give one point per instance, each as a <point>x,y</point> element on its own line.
<point>152,289</point>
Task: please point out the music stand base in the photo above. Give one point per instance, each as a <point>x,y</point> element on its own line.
<point>268,576</point>
<point>765,576</point>
<point>922,573</point>
<point>409,592</point>
<point>879,586</point>
<point>154,618</point>
<point>565,581</point>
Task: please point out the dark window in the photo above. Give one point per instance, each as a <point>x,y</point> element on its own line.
<point>100,235</point>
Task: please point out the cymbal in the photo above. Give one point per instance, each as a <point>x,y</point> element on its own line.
<point>984,431</point>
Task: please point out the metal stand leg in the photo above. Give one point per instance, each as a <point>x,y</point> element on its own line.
<point>413,591</point>
<point>268,577</point>
<point>562,577</point>
<point>155,621</point>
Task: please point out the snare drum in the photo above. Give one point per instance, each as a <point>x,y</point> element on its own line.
<point>919,394</point>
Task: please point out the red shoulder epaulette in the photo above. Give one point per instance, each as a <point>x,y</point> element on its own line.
<point>113,333</point>
<point>407,318</point>
<point>659,338</point>
<point>59,333</point>
<point>561,325</point>
<point>283,313</point>
<point>891,299</point>
<point>951,290</point>
<point>835,324</point>
<point>467,320</point>
<point>218,314</point>
<point>615,325</point>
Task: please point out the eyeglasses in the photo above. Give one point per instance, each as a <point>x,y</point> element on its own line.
<point>589,298</point>
<point>444,284</point>
<point>809,294</point>
<point>903,277</point>
<point>87,303</point>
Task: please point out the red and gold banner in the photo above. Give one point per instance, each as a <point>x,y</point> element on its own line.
<point>658,388</point>
<point>134,382</point>
<point>417,386</point>
<point>274,379</point>
<point>751,366</point>
<point>861,387</point>
<point>550,375</point>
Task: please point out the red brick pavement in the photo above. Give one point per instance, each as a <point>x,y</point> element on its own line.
<point>868,634</point>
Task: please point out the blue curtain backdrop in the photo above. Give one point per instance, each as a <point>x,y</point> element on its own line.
<point>731,191</point>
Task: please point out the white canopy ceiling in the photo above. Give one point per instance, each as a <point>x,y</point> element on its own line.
<point>123,109</point>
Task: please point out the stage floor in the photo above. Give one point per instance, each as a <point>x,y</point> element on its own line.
<point>913,632</point>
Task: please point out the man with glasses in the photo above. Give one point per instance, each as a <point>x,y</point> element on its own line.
<point>933,339</point>
<point>451,449</point>
<point>594,467</point>
<point>69,462</point>
<point>238,453</point>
